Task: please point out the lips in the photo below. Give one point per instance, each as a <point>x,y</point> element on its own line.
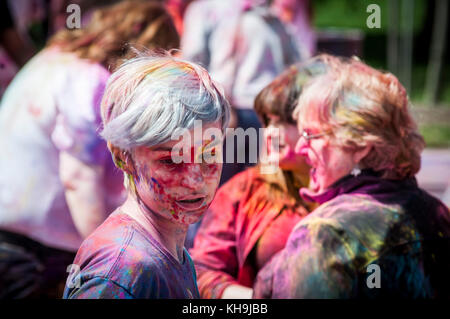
<point>191,203</point>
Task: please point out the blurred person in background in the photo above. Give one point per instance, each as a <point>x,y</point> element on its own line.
<point>297,16</point>
<point>376,233</point>
<point>177,9</point>
<point>27,25</point>
<point>57,180</point>
<point>253,214</point>
<point>244,47</point>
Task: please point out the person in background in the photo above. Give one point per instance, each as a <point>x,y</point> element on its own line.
<point>253,214</point>
<point>177,9</point>
<point>244,47</point>
<point>57,180</point>
<point>297,16</point>
<point>376,234</point>
<point>138,251</point>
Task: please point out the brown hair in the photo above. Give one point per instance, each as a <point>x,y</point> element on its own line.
<point>280,98</point>
<point>111,31</point>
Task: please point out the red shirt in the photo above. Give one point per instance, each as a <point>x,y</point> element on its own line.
<point>240,232</point>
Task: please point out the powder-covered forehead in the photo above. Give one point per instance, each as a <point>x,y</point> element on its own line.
<point>149,97</point>
<point>314,103</point>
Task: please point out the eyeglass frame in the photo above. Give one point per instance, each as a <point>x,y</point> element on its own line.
<point>309,137</point>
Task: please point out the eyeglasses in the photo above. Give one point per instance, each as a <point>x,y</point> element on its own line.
<point>309,136</point>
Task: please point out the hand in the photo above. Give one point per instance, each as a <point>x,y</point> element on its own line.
<point>237,292</point>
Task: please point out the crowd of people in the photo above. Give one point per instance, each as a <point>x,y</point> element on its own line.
<point>99,200</point>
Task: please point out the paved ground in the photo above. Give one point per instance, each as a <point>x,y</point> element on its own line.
<point>434,176</point>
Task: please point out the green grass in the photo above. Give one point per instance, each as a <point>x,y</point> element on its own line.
<point>436,135</point>
<point>352,14</point>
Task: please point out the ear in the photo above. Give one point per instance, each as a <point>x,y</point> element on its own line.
<point>122,159</point>
<point>362,152</point>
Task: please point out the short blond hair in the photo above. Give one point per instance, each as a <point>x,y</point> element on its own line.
<point>363,106</point>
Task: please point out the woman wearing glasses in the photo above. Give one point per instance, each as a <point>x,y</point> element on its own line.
<point>253,214</point>
<point>376,234</point>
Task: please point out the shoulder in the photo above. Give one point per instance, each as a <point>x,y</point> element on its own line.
<point>352,207</point>
<point>92,73</point>
<point>99,252</point>
<point>118,255</point>
<point>242,181</point>
<point>73,73</point>
<point>357,222</point>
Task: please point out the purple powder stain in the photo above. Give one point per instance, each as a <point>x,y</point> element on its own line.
<point>155,181</point>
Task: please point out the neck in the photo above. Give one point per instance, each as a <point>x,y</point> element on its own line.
<point>301,179</point>
<point>169,234</point>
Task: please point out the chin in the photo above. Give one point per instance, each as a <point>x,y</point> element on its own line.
<point>191,217</point>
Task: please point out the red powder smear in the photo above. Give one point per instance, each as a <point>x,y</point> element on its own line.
<point>35,111</point>
<point>212,170</point>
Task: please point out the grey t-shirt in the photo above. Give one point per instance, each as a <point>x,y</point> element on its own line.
<point>122,260</point>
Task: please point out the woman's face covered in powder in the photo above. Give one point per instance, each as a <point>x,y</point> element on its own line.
<point>179,191</point>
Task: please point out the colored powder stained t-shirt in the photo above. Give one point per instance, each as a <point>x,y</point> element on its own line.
<point>122,260</point>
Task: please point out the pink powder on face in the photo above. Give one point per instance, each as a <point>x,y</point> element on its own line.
<point>162,184</point>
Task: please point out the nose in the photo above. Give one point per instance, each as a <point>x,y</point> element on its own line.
<point>301,148</point>
<point>193,176</point>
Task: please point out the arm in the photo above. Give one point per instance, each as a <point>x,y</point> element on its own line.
<point>83,154</point>
<point>83,184</point>
<point>237,292</point>
<point>19,50</point>
<point>261,54</point>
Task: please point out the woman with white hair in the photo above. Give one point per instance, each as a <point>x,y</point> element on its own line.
<point>138,252</point>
